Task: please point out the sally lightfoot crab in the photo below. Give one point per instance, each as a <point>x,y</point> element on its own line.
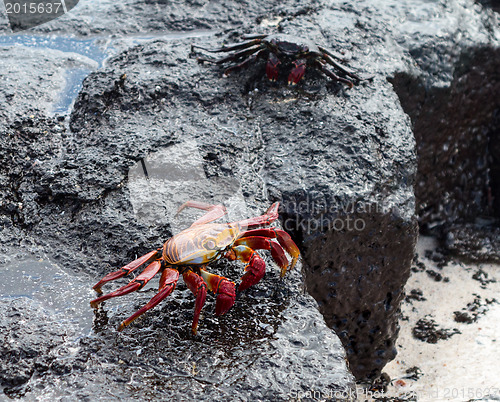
<point>189,252</point>
<point>278,49</point>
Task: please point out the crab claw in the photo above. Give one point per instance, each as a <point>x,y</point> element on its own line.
<point>272,67</point>
<point>223,288</point>
<point>297,72</point>
<point>255,269</point>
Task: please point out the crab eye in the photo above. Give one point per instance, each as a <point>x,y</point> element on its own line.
<point>209,244</point>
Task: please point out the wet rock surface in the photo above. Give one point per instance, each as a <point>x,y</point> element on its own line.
<point>256,141</point>
<point>457,180</point>
<point>27,342</point>
<point>334,157</point>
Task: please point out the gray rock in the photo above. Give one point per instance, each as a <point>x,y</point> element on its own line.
<point>341,161</point>
<point>452,96</point>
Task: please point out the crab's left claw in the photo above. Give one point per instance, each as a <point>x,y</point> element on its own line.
<point>224,290</point>
<point>272,69</point>
<point>297,72</point>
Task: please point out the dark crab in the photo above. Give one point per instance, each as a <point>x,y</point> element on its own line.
<point>279,49</point>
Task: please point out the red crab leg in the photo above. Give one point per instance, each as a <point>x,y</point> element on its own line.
<point>297,72</point>
<point>168,280</point>
<point>214,211</point>
<point>270,216</point>
<point>199,288</point>
<point>283,238</point>
<point>255,269</point>
<point>264,243</point>
<point>137,283</point>
<point>127,269</point>
<point>224,290</point>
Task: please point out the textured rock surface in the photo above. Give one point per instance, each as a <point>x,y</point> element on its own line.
<point>452,95</point>
<point>271,345</point>
<point>336,158</point>
<point>277,144</point>
<point>318,145</point>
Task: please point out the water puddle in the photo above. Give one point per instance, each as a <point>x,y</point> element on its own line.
<point>96,50</point>
<point>63,296</point>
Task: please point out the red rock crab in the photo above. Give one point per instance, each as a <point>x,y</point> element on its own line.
<point>189,252</point>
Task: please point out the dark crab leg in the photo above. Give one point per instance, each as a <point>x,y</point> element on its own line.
<point>335,77</point>
<point>137,283</point>
<point>234,56</point>
<point>333,54</point>
<point>326,57</point>
<point>168,281</point>
<point>245,62</point>
<point>127,269</point>
<point>214,211</point>
<point>230,47</point>
<point>223,288</point>
<point>197,285</point>
<point>270,216</point>
<point>255,269</point>
<point>254,36</point>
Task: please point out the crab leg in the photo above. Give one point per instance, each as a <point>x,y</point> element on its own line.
<point>127,269</point>
<point>197,285</point>
<point>234,56</point>
<point>270,216</point>
<point>254,36</point>
<point>168,281</point>
<point>137,283</point>
<point>214,211</point>
<point>255,269</point>
<point>223,288</point>
<point>264,243</point>
<point>248,60</point>
<point>230,47</point>
<point>283,238</point>
<point>334,76</point>
<point>344,69</point>
<point>333,54</point>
